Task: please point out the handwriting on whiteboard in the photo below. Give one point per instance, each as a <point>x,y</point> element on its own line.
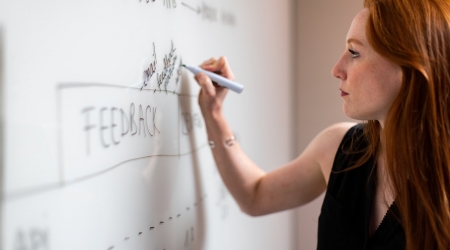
<point>207,11</point>
<point>33,239</point>
<point>167,3</point>
<point>150,70</point>
<point>165,75</point>
<point>105,126</point>
<point>212,14</point>
<point>128,124</point>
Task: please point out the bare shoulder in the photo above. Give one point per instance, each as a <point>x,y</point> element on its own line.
<point>326,144</point>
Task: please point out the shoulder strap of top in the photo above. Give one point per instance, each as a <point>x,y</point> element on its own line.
<point>351,148</point>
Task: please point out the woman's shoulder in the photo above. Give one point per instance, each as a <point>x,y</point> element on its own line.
<point>340,129</point>
<point>331,137</point>
<point>328,141</point>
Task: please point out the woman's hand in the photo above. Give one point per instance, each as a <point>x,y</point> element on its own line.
<point>212,95</point>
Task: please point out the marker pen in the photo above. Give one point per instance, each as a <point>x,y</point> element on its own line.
<point>222,81</point>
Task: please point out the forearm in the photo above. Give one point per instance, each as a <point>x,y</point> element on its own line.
<point>241,176</point>
<point>239,173</point>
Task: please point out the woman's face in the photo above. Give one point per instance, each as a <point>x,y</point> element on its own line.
<point>369,82</point>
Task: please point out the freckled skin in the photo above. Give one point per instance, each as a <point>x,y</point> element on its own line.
<point>371,81</point>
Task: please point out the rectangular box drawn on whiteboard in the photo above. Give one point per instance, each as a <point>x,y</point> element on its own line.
<point>104,126</point>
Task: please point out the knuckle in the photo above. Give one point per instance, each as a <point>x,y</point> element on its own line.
<point>223,59</point>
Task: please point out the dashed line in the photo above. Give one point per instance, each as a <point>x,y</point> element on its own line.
<point>162,222</point>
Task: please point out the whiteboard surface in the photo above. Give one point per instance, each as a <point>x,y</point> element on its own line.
<point>104,143</point>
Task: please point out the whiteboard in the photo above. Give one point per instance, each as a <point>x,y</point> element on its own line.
<point>104,146</point>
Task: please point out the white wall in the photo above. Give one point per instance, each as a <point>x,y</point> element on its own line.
<point>322,28</point>
<point>64,189</point>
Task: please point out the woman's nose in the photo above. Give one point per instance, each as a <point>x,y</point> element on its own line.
<point>338,70</point>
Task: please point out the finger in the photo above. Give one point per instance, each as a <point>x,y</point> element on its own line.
<point>208,62</point>
<point>223,68</point>
<point>206,84</point>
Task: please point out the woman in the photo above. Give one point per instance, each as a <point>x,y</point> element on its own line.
<point>387,180</point>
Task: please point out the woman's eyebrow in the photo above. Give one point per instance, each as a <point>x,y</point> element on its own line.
<point>354,40</point>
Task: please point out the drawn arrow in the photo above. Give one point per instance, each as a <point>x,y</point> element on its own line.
<point>198,9</point>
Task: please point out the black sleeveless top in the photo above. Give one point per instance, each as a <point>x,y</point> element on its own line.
<point>345,215</point>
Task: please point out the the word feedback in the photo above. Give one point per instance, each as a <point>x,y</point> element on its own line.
<point>119,123</point>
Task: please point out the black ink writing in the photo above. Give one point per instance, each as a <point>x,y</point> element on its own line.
<point>179,71</point>
<point>147,1</point>
<point>209,13</point>
<point>148,73</point>
<point>146,123</point>
<point>124,120</point>
<point>141,120</point>
<point>169,65</point>
<point>170,3</point>
<point>154,123</point>
<point>163,76</point>
<point>146,112</point>
<point>186,240</point>
<point>88,127</point>
<point>113,125</point>
<point>190,121</point>
<point>102,127</point>
<point>34,239</point>
<point>132,122</point>
<point>228,18</point>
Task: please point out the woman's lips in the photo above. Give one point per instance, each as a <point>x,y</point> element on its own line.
<point>343,93</point>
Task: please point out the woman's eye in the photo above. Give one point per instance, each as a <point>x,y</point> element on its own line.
<point>354,53</point>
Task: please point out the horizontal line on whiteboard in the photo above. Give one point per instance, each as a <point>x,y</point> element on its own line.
<point>57,185</point>
<point>87,85</point>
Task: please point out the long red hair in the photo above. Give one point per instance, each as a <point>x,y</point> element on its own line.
<point>415,34</point>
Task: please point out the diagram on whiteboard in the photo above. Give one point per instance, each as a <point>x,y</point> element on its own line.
<point>105,144</point>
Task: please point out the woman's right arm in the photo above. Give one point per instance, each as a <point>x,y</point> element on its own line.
<point>257,192</point>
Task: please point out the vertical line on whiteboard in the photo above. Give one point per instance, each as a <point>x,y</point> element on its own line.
<point>2,127</point>
<point>179,128</point>
<point>59,136</point>
<point>294,106</point>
